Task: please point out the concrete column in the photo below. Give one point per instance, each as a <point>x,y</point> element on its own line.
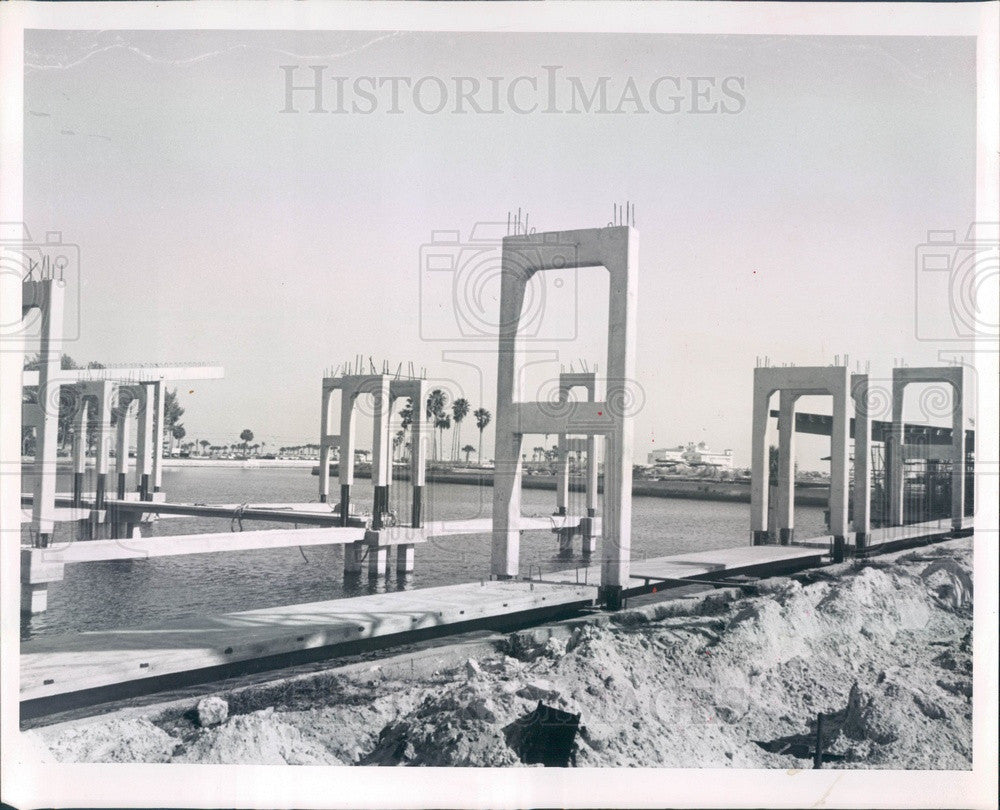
<point>587,533</point>
<point>839,469</point>
<point>896,462</point>
<point>592,474</point>
<point>353,556</point>
<point>102,461</point>
<point>405,559</point>
<point>958,477</point>
<point>324,444</point>
<point>419,433</point>
<point>159,396</point>
<point>144,442</point>
<point>378,555</point>
<point>506,546</point>
<point>785,512</point>
<point>381,449</point>
<point>760,472</point>
<point>122,463</point>
<point>562,479</point>
<point>508,469</point>
<point>79,450</point>
<point>616,539</point>
<point>36,574</point>
<point>862,461</point>
<point>47,296</point>
<point>345,467</point>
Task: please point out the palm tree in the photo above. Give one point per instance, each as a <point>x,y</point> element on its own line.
<point>397,442</point>
<point>437,401</point>
<point>406,417</point>
<point>459,410</point>
<point>247,437</point>
<point>483,418</point>
<point>442,423</point>
<point>204,445</point>
<point>468,449</point>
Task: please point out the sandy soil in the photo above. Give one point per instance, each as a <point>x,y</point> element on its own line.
<point>725,679</point>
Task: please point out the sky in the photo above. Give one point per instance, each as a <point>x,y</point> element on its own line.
<point>784,224</point>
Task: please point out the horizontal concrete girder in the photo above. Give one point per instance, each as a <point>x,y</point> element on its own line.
<point>127,374</point>
<point>146,547</point>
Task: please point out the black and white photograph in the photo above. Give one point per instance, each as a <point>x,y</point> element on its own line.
<point>505,404</point>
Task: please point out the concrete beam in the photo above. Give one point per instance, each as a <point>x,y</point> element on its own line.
<point>130,375</point>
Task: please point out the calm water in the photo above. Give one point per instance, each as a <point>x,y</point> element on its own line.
<point>131,593</point>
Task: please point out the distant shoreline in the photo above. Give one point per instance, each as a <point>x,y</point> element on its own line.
<point>806,494</point>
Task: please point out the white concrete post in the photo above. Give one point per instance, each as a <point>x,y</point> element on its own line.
<point>958,451</point>
<point>405,557</point>
<point>592,475</point>
<point>47,296</point>
<point>786,468</point>
<point>144,442</point>
<point>419,434</point>
<point>79,449</point>
<point>122,463</point>
<point>159,397</point>
<point>840,450</point>
<point>378,387</point>
<point>122,460</point>
<point>862,461</point>
<point>324,442</point>
<point>345,466</point>
<point>897,467</point>
<point>507,472</point>
<point>589,535</point>
<point>562,479</point>
<point>102,462</point>
<point>616,545</point>
<point>760,472</point>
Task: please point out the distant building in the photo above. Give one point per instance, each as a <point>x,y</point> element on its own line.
<point>694,455</point>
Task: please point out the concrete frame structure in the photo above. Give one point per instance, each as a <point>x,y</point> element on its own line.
<point>567,382</point>
<point>47,296</point>
<point>617,250</point>
<point>793,382</point>
<point>386,389</point>
<point>953,376</point>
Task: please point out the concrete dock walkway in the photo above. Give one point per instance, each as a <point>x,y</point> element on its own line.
<point>97,665</point>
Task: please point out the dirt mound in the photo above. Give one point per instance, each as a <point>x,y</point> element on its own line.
<point>882,649</point>
<point>133,740</point>
<point>460,727</point>
<point>260,738</point>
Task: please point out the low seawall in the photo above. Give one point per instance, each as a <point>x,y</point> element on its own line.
<point>689,488</point>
